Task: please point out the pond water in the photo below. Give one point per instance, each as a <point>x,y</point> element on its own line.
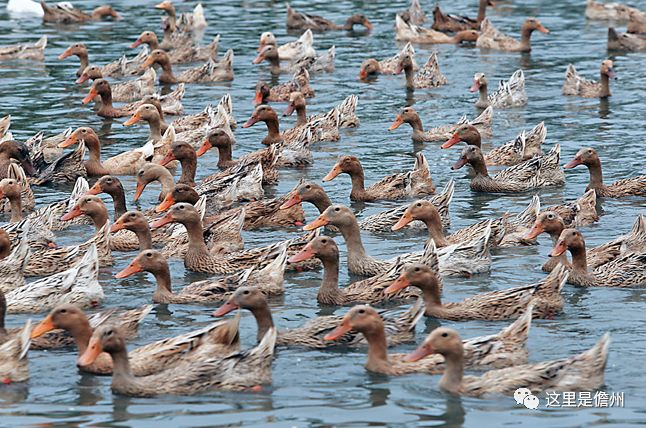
<point>332,387</point>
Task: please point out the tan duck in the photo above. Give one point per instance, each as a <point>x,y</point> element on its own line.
<point>520,149</point>
<point>582,372</point>
<point>369,290</point>
<point>408,32</point>
<point>150,113</point>
<point>113,187</point>
<point>67,14</point>
<point>634,186</point>
<point>540,171</point>
<point>491,38</point>
<point>453,23</point>
<point>372,67</point>
<point>180,54</point>
<point>627,41</point>
<point>302,21</point>
<point>149,173</point>
<point>510,93</point>
<point>608,11</point>
<point>33,51</point>
<point>118,68</point>
<point>300,83</point>
<point>399,327</point>
<point>576,85</point>
<point>220,338</point>
<point>416,182</point>
<point>504,349</point>
<point>132,90</point>
<point>93,207</point>
<point>14,366</point>
<point>409,115</point>
<point>292,51</point>
<point>12,151</point>
<point>137,223</point>
<point>269,280</point>
<point>185,154</point>
<point>221,71</point>
<point>628,270</point>
<point>18,192</point>
<point>187,21</point>
<point>270,54</point>
<point>428,76</point>
<point>236,371</point>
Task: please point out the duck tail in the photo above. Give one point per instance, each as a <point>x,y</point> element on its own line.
<point>408,319</point>
<point>527,217</point>
<point>443,202</point>
<point>571,76</point>
<point>41,43</point>
<point>519,329</point>
<point>485,119</point>
<point>199,21</point>
<point>597,356</point>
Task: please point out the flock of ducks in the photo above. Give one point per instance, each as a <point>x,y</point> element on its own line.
<point>201,222</point>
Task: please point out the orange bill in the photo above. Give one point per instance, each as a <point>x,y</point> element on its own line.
<point>131,269</point>
<point>339,331</point>
<point>558,249</point>
<point>229,306</point>
<point>138,191</point>
<point>460,163</point>
<point>574,162</point>
<point>397,123</point>
<point>543,30</point>
<point>90,96</point>
<point>66,53</point>
<point>205,147</point>
<point>72,139</point>
<point>419,353</point>
<point>258,99</point>
<point>43,327</point>
<point>455,139</point>
<point>168,218</point>
<point>368,24</point>
<point>305,254</point>
<point>73,213</point>
<point>336,170</point>
<point>165,204</point>
<point>363,74</point>
<point>149,61</point>
<point>91,353</point>
<point>403,221</point>
<point>83,78</point>
<point>258,59</point>
<point>134,119</point>
<point>399,284</point>
<point>319,222</point>
<point>294,200</point>
<point>168,158</point>
<point>136,43</point>
<point>250,121</point>
<point>536,230</point>
<point>117,226</point>
<point>95,190</point>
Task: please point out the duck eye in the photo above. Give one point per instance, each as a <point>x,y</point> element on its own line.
<point>337,209</point>
<point>245,292</point>
<point>108,333</point>
<point>362,311</point>
<point>308,187</point>
<point>445,334</point>
<point>550,216</point>
<point>84,130</point>
<point>181,207</point>
<point>62,311</point>
<point>419,204</point>
<point>324,241</point>
<point>416,269</point>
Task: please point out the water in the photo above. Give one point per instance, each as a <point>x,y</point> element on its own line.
<point>332,387</point>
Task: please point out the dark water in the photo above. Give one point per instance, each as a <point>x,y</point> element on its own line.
<point>332,388</point>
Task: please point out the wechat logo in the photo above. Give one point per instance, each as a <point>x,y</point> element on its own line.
<point>525,397</point>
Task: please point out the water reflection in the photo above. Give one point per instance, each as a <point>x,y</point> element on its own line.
<point>14,393</point>
<point>452,416</point>
<point>89,389</point>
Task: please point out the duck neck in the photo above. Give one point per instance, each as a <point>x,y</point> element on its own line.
<point>579,259</point>
<point>329,292</point>
<point>358,184</point>
<point>83,57</point>
<point>274,65</point>
<point>431,294</point>
<point>155,125</point>
<point>121,374</point>
<point>321,202</point>
<point>264,320</point>
<point>99,218</point>
<point>143,236</point>
<point>81,332</point>
<point>410,77</point>
<point>273,132</point>
<point>106,102</point>
<point>482,91</point>
<point>162,277</point>
<point>167,75</point>
<point>195,233</point>
<point>189,167</point>
<point>225,155</point>
<point>119,202</point>
<point>301,115</point>
<point>605,85</point>
<point>482,10</point>
<point>377,350</point>
<point>167,184</point>
<point>596,176</point>
<point>435,231</point>
<point>480,167</point>
<point>454,371</point>
<point>16,208</point>
<point>352,237</point>
<point>526,35</point>
<point>93,165</point>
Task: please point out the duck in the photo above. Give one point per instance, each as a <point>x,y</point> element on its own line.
<point>608,11</point>
<point>510,93</point>
<point>372,67</point>
<point>633,186</point>
<point>30,51</point>
<point>150,172</point>
<point>575,85</point>
<point>501,350</point>
<point>270,54</point>
<point>582,372</point>
<point>626,41</point>
<point>417,182</point>
<point>369,290</point>
<point>126,163</point>
<point>132,90</point>
<point>428,76</point>
<point>16,189</point>
<point>101,88</point>
<point>324,126</point>
<point>219,338</point>
<point>292,51</point>
<point>636,22</point>
<point>222,71</point>
<point>627,270</point>
<point>12,264</point>
<point>264,113</point>
<point>14,365</point>
<point>185,154</point>
<point>454,23</point>
<point>80,50</point>
<point>12,151</point>
<point>93,207</point>
<point>52,213</point>
<point>414,14</point>
<point>441,133</point>
<point>65,13</point>
<point>180,54</point>
<point>118,68</point>
<point>399,327</point>
<point>384,221</point>
<point>150,113</point>
<point>187,21</point>
<point>78,285</point>
<point>137,223</point>
<point>408,32</point>
<point>491,38</point>
<point>236,371</point>
<point>522,148</point>
<point>302,21</point>
<point>577,213</point>
<point>112,186</point>
<point>300,82</point>
<point>540,171</point>
<point>269,280</point>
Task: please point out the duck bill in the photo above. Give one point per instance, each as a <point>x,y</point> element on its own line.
<point>251,120</point>
<point>149,62</point>
<point>460,163</point>
<point>67,53</point>
<point>611,74</point>
<point>165,204</point>
<point>73,213</point>
<point>43,327</point>
<point>136,43</point>
<point>573,163</point>
<point>363,74</point>
<point>399,284</point>
<point>368,25</point>
<point>455,139</point>
<point>229,306</point>
<point>289,110</point>
<point>205,147</point>
<point>72,139</point>
<point>84,78</point>
<point>138,191</point>
<point>2,195</point>
<point>536,230</point>
<point>305,254</point>
<point>261,46</point>
<point>294,200</point>
<point>558,249</point>
<point>258,59</point>
<point>95,190</point>
<point>133,268</point>
<point>134,119</point>
<point>421,352</point>
<point>397,123</point>
<point>319,222</point>
<point>543,30</point>
<point>402,222</point>
<point>491,4</point>
<point>91,353</point>
<point>258,99</point>
<point>475,87</point>
<point>333,173</point>
<point>168,218</point>
<point>168,158</point>
<point>339,331</point>
<point>117,226</point>
<point>90,96</point>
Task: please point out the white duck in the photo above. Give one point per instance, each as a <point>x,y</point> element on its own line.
<point>510,93</point>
